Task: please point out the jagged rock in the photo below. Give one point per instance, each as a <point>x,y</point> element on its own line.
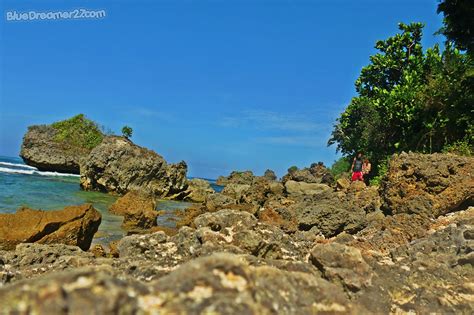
<point>343,183</point>
<point>138,211</point>
<point>40,149</point>
<point>330,213</point>
<point>62,146</point>
<point>316,173</point>
<point>139,220</point>
<point>223,219</point>
<point>132,202</point>
<point>205,285</point>
<point>425,276</point>
<point>341,263</point>
<point>30,260</point>
<point>270,175</point>
<point>74,225</point>
<point>357,186</point>
<point>235,191</point>
<point>428,184</point>
<point>240,178</point>
<point>198,190</point>
<point>86,291</point>
<point>118,165</point>
<point>303,188</point>
<point>214,284</point>
<point>219,201</point>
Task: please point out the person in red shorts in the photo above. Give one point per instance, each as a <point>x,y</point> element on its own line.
<point>356,168</point>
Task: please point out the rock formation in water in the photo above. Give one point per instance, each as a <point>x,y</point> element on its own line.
<point>73,225</point>
<point>62,146</point>
<point>118,165</point>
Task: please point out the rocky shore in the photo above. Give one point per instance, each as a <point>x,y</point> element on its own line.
<point>302,245</point>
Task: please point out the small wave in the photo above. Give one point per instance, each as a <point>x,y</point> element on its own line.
<point>18,165</point>
<point>35,172</point>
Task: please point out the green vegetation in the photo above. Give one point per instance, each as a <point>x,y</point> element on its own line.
<point>382,169</point>
<point>458,22</point>
<point>460,148</point>
<point>79,132</point>
<point>127,132</point>
<point>340,167</point>
<point>411,99</point>
<point>292,169</point>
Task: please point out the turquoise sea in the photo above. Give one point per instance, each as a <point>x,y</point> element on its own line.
<point>23,185</point>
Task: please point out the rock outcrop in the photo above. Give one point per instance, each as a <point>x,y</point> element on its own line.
<point>74,225</point>
<point>41,150</point>
<point>198,190</point>
<point>118,165</point>
<point>138,211</point>
<point>240,178</point>
<point>428,184</point>
<point>62,146</point>
<point>316,173</point>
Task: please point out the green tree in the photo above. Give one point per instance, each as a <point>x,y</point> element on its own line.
<point>127,132</point>
<point>458,22</point>
<point>408,99</point>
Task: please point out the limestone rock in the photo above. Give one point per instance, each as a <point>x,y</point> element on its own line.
<point>198,190</point>
<point>303,188</point>
<point>40,149</point>
<point>241,178</point>
<point>74,225</point>
<point>428,184</point>
<point>341,263</point>
<point>316,173</point>
<point>118,165</point>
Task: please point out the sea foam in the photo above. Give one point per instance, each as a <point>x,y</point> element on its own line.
<point>34,172</point>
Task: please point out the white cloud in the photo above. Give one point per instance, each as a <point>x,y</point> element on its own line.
<point>269,120</point>
<point>315,141</point>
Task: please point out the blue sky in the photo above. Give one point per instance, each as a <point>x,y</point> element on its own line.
<point>223,85</point>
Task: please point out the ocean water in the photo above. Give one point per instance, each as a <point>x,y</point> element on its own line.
<point>23,185</point>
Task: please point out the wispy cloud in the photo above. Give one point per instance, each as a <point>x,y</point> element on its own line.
<point>146,112</point>
<point>269,120</point>
<point>315,141</point>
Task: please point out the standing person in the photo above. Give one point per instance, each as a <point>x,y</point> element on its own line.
<point>356,168</point>
<point>366,168</point>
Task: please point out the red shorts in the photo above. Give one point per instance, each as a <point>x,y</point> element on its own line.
<point>357,176</point>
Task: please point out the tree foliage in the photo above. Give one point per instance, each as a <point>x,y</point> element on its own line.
<point>458,22</point>
<point>127,131</point>
<point>408,99</point>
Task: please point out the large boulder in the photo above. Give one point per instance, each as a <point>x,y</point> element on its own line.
<point>74,225</point>
<point>303,188</point>
<point>428,184</point>
<point>138,211</point>
<point>341,263</point>
<point>118,165</point>
<point>62,146</point>
<point>330,213</point>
